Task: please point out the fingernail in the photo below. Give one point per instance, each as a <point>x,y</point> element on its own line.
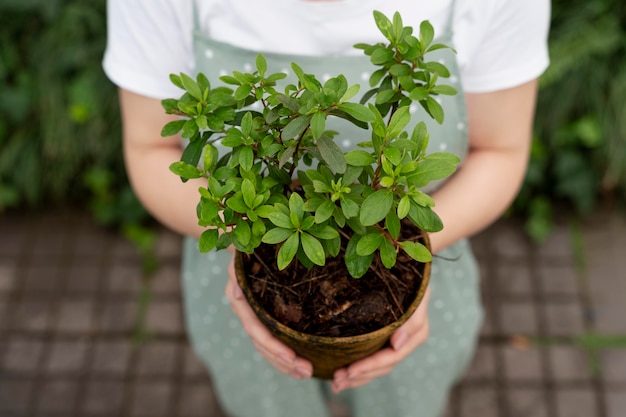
<point>400,340</point>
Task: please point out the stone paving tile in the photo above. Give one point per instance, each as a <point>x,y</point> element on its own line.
<point>75,315</point>
<point>569,363</point>
<point>58,396</point>
<point>479,401</point>
<point>151,399</point>
<point>483,365</point>
<point>124,278</point>
<point>527,402</point>
<point>564,319</point>
<point>193,367</point>
<point>558,279</point>
<point>517,318</point>
<point>575,402</point>
<point>104,398</point>
<point>513,279</point>
<point>615,402</point>
<point>38,277</point>
<point>8,278</point>
<point>507,241</point>
<point>15,395</point>
<point>165,317</point>
<point>522,364</point>
<point>32,315</point>
<point>111,356</point>
<point>118,315</point>
<point>613,363</point>
<point>66,357</point>
<point>166,281</point>
<point>198,400</point>
<point>158,358</point>
<point>82,278</point>
<point>22,355</point>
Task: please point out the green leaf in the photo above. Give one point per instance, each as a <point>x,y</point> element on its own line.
<point>418,93</point>
<point>318,124</point>
<point>358,111</point>
<point>425,218</point>
<point>430,170</point>
<point>185,170</point>
<point>324,212</point>
<point>324,232</point>
<point>350,92</point>
<point>417,251</point>
<point>295,127</point>
<point>246,158</point>
<point>276,235</point>
<point>369,243</point>
<point>175,79</point>
<point>359,158</point>
<point>242,232</point>
<point>392,224</point>
<point>404,206</point>
<point>434,109</point>
<point>349,207</point>
<point>331,154</point>
<point>172,128</point>
<point>387,253</point>
<point>296,205</point>
<point>208,240</point>
<point>384,24</point>
<point>191,86</point>
<point>446,90</point>
<point>261,64</point>
<point>357,265</point>
<point>249,193</point>
<point>281,220</point>
<point>236,203</point>
<point>375,207</point>
<point>242,91</point>
<point>427,33</point>
<point>288,251</point>
<point>398,121</point>
<point>313,249</point>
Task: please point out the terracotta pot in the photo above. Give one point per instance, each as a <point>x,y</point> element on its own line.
<point>330,353</point>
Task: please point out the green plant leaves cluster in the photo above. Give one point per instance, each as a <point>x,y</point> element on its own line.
<point>360,196</point>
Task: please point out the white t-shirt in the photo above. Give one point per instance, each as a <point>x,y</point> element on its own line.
<point>500,43</point>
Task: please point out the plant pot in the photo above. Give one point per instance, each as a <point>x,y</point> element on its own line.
<point>328,354</point>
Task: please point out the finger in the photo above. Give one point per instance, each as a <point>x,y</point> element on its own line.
<point>273,350</point>
<point>413,327</point>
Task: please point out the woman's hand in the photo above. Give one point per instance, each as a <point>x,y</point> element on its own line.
<point>273,350</point>
<point>403,341</point>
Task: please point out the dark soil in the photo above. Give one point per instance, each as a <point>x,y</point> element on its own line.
<point>327,301</point>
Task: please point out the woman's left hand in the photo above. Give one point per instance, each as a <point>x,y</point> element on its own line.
<point>403,341</point>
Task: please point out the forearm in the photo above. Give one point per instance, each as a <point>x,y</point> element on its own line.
<point>478,194</point>
<point>163,194</point>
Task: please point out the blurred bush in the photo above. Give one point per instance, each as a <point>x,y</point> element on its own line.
<point>59,121</point>
<point>60,127</point>
<point>579,152</point>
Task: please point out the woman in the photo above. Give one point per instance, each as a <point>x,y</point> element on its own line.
<point>501,50</point>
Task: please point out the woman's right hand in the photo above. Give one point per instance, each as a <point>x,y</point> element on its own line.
<point>279,355</point>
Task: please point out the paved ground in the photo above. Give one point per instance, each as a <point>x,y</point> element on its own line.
<point>71,297</point>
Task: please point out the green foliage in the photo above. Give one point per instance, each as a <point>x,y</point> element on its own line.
<point>59,118</point>
<point>360,195</point>
<point>579,152</point>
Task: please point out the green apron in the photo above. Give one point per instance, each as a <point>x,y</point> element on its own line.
<point>247,386</point>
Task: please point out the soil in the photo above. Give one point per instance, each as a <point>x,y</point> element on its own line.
<point>327,301</point>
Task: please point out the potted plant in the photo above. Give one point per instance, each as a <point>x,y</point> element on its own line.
<point>301,244</point>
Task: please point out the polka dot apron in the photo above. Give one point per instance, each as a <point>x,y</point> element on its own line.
<point>418,387</point>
